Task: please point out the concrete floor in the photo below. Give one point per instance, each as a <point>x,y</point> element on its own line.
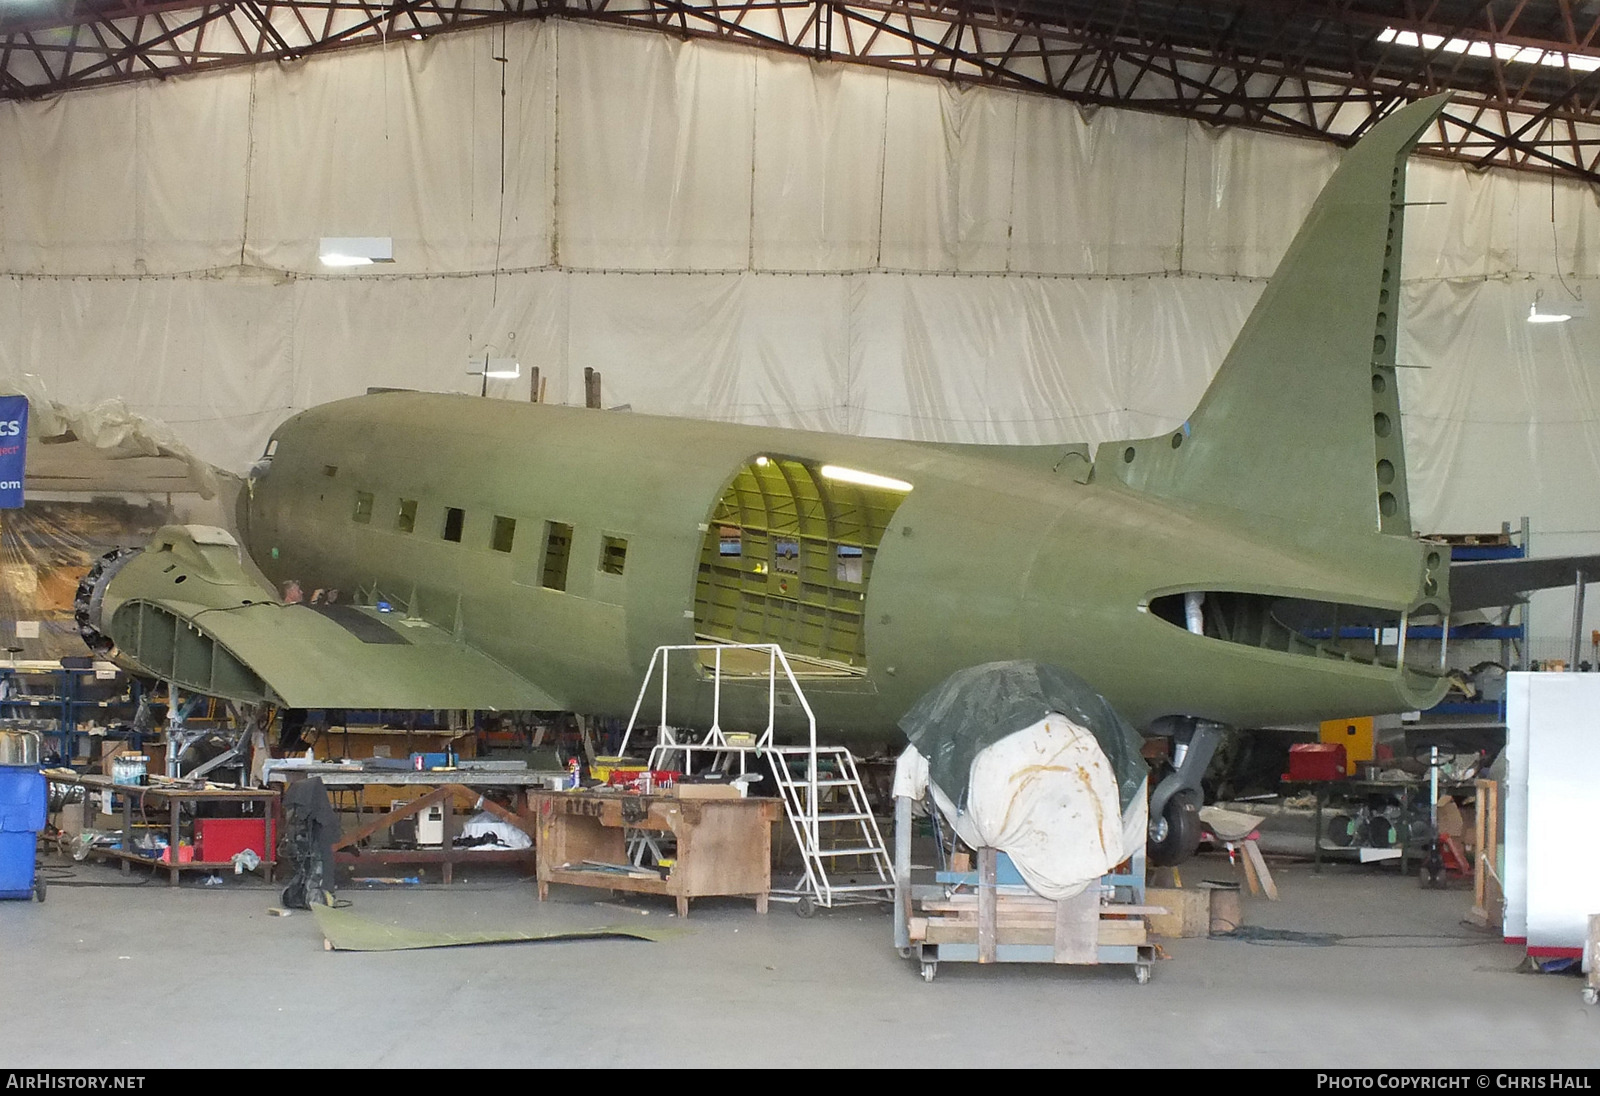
<point>149,976</point>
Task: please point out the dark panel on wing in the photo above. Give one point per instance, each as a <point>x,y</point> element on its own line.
<point>366,628</point>
<point>1491,583</point>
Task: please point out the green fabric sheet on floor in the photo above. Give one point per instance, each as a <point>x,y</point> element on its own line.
<point>345,930</point>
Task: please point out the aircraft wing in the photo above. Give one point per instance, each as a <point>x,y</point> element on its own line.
<point>1490,583</point>
<point>185,610</point>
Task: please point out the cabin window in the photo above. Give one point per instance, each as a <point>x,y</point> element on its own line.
<point>847,563</point>
<point>363,512</point>
<point>272,448</point>
<point>613,555</point>
<point>557,549</point>
<point>503,533</point>
<point>406,519</point>
<point>454,519</point>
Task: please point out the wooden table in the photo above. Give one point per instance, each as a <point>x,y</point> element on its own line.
<point>173,796</point>
<point>724,845</point>
<point>442,787</point>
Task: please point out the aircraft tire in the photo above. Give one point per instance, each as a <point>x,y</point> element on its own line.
<point>1177,840</point>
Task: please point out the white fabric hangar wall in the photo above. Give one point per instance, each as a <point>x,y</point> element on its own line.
<point>739,235</point>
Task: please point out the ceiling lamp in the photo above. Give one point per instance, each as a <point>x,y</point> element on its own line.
<point>1560,314</point>
<point>865,479</point>
<point>356,250</point>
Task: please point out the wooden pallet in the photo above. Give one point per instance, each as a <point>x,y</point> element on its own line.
<point>1075,928</point>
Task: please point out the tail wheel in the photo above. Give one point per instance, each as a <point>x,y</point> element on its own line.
<point>1175,835</point>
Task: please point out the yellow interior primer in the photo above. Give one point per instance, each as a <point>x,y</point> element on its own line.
<point>787,558</point>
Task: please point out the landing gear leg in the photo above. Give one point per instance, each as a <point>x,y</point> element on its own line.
<point>1175,804</point>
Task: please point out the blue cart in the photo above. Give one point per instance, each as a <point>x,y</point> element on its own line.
<point>23,799</point>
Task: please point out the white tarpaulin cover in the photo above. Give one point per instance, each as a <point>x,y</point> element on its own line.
<point>747,236</point>
<point>1047,797</point>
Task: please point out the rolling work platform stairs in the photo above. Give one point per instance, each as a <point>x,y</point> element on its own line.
<point>823,797</point>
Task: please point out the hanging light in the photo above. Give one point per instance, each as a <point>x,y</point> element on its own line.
<point>1535,316</point>
<point>356,250</point>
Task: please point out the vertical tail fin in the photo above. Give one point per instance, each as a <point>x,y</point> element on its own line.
<point>1302,421</point>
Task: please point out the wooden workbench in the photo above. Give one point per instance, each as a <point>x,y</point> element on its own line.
<point>172,796</point>
<point>447,787</point>
<point>724,845</point>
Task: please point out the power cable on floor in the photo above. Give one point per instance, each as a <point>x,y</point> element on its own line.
<point>1254,934</point>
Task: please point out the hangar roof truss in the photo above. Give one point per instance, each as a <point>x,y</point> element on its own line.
<point>1526,73</point>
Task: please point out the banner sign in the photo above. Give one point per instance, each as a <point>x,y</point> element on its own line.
<point>13,449</point>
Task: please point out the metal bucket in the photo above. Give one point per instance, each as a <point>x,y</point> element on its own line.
<point>19,747</point>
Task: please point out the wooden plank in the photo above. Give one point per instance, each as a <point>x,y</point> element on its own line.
<point>918,929</point>
<point>1109,933</point>
<point>1252,855</point>
<point>608,881</point>
<point>382,822</point>
<point>961,902</point>
<point>1591,944</point>
<point>1076,927</point>
<point>987,905</point>
<point>1250,873</point>
<point>483,802</point>
<point>1488,896</point>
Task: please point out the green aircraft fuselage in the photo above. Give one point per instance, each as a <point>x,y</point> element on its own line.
<point>985,558</point>
<point>494,554</point>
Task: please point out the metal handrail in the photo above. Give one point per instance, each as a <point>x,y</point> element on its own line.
<point>714,735</point>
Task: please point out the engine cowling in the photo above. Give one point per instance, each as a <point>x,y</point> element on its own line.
<point>89,603</point>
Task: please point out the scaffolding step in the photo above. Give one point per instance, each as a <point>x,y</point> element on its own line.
<point>864,850</point>
<point>843,817</point>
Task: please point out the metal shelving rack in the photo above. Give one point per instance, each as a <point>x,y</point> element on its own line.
<point>58,701</point>
<point>1511,636</point>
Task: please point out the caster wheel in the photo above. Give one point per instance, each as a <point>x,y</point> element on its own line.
<point>806,907</point>
<point>929,970</point>
<point>38,890</point>
<point>1591,995</point>
<point>905,953</point>
<point>1141,974</point>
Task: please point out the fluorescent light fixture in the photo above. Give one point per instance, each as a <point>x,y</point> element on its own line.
<point>356,250</point>
<point>762,462</point>
<point>1561,312</point>
<point>1504,51</point>
<point>496,369</point>
<point>865,479</point>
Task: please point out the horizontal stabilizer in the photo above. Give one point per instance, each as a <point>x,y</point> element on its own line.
<point>1491,583</point>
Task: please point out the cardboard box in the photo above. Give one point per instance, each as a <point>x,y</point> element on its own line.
<point>708,791</point>
<point>1188,911</point>
<point>109,751</point>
